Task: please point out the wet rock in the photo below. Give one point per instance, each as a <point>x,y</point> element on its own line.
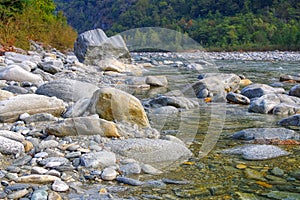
<point>237,98</point>
<point>59,186</point>
<point>91,125</point>
<point>11,109</point>
<point>277,171</point>
<point>246,196</point>
<point>109,174</point>
<point>129,181</point>
<point>158,153</point>
<point>37,179</point>
<point>128,130</point>
<point>52,67</point>
<point>257,152</point>
<point>258,90</point>
<point>67,89</point>
<point>98,159</point>
<point>282,195</point>
<point>268,103</point>
<point>295,91</point>
<point>175,182</point>
<point>93,46</point>
<point>296,174</point>
<point>177,102</point>
<point>157,81</point>
<point>17,73</point>
<point>5,95</point>
<point>266,134</point>
<point>8,146</point>
<point>113,104</point>
<point>286,109</point>
<point>290,121</point>
<point>130,168</point>
<point>290,78</point>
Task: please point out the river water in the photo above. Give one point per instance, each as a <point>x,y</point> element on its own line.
<point>217,175</point>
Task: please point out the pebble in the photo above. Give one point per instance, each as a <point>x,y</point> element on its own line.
<point>60,186</point>
<point>109,174</point>
<point>38,170</point>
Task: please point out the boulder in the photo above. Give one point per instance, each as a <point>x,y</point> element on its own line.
<point>266,134</point>
<point>91,125</point>
<point>237,98</point>
<point>67,89</point>
<point>12,108</point>
<point>295,91</point>
<point>177,102</point>
<point>290,121</point>
<point>93,46</point>
<point>257,152</point>
<point>159,153</point>
<point>113,104</point>
<point>258,90</point>
<point>272,102</point>
<point>17,73</point>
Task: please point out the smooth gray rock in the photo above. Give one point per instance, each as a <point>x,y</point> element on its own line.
<point>48,144</point>
<point>18,194</point>
<point>165,110</point>
<point>286,109</point>
<point>237,98</point>
<point>19,58</point>
<point>177,102</point>
<point>93,46</point>
<point>266,134</point>
<point>52,67</point>
<point>17,73</point>
<point>280,195</point>
<point>257,152</point>
<point>15,89</point>
<point>98,159</point>
<point>40,117</point>
<point>290,121</point>
<point>130,168</point>
<point>39,194</point>
<point>58,160</point>
<point>266,103</point>
<point>12,135</point>
<point>129,181</point>
<point>158,153</point>
<point>258,90</point>
<point>148,169</point>
<point>78,109</point>
<point>109,174</point>
<point>157,81</point>
<point>8,146</point>
<point>295,91</point>
<point>60,186</point>
<point>67,89</point>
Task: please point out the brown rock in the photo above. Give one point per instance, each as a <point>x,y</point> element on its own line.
<point>54,196</point>
<point>27,145</point>
<point>37,179</point>
<point>113,104</point>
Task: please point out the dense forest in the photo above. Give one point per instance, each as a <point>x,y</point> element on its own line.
<point>215,24</point>
<point>37,20</point>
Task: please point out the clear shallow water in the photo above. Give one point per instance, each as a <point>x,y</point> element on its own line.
<point>216,176</point>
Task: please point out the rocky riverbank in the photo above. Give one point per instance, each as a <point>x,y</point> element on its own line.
<point>66,123</point>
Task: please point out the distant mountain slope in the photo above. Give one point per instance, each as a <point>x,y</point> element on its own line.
<point>214,23</point>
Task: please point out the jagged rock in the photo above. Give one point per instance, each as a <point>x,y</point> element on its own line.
<point>17,73</point>
<point>93,46</point>
<point>276,103</point>
<point>67,89</point>
<point>258,90</point>
<point>158,153</point>
<point>91,125</point>
<point>113,104</point>
<point>237,98</point>
<point>12,108</point>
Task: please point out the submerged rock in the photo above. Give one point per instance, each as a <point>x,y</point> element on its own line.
<point>257,152</point>
<point>266,134</point>
<point>237,98</point>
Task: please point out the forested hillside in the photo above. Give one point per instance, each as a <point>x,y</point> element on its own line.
<point>216,24</point>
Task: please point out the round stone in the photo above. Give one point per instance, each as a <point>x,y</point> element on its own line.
<point>109,174</point>
<point>59,186</point>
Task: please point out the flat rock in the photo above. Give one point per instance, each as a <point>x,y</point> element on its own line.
<point>93,46</point>
<point>237,98</point>
<point>158,153</point>
<point>266,134</point>
<point>8,146</point>
<point>290,121</point>
<point>67,89</point>
<point>17,73</point>
<point>269,102</point>
<point>98,159</point>
<point>258,152</point>
<point>90,125</point>
<point>258,90</point>
<point>12,108</point>
<point>113,104</point>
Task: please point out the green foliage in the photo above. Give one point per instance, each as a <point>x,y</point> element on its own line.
<point>26,20</point>
<point>217,24</point>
